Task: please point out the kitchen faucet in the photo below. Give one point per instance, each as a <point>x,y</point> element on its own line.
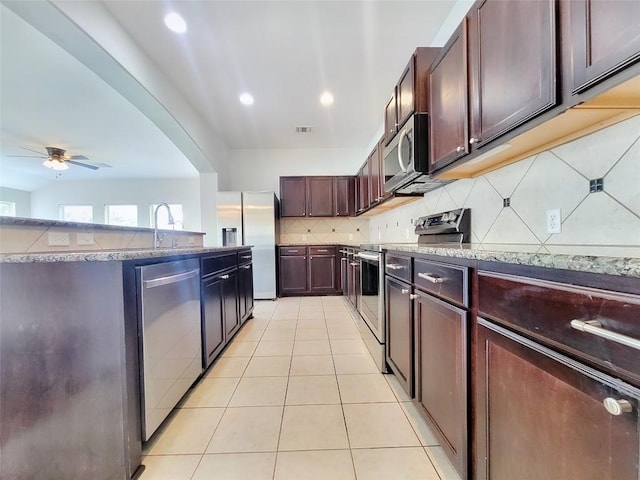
<point>156,236</point>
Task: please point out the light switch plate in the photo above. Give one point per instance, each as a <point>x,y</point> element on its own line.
<point>58,239</point>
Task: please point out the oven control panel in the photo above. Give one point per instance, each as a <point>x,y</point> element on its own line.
<point>454,222</point>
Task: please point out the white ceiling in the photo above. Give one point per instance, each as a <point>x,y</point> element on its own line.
<point>48,98</point>
<point>284,52</point>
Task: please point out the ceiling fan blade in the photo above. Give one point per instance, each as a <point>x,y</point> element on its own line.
<point>35,151</point>
<point>85,165</point>
<point>27,156</point>
<point>76,157</point>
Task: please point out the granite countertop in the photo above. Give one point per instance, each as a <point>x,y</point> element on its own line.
<point>110,255</point>
<point>40,222</point>
<point>529,255</point>
<point>305,244</point>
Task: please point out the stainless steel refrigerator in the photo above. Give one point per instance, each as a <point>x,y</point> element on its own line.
<point>251,218</point>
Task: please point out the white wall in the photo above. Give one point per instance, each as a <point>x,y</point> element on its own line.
<point>208,208</point>
<point>21,198</point>
<point>45,202</point>
<point>259,169</point>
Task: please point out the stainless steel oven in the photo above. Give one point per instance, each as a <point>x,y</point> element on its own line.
<point>371,305</point>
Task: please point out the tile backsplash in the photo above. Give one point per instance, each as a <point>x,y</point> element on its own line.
<point>509,205</point>
<point>324,230</point>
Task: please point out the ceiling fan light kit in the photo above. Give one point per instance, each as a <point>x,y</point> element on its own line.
<point>56,159</point>
<point>55,164</point>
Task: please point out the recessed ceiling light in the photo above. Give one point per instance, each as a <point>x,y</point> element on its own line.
<point>246,99</point>
<point>326,99</point>
<point>175,22</point>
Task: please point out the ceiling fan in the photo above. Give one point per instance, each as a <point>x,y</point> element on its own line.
<point>57,160</point>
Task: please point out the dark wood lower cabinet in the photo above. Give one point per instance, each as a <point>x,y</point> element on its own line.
<point>322,273</point>
<point>399,344</point>
<point>293,274</point>
<point>309,270</point>
<point>441,373</point>
<point>212,319</point>
<point>245,291</point>
<point>230,306</point>
<point>541,415</point>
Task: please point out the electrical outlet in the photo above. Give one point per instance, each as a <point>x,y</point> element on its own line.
<point>351,236</point>
<point>58,239</point>
<point>304,238</point>
<point>554,221</point>
<point>85,239</point>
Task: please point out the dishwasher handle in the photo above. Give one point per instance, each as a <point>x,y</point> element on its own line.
<point>169,279</point>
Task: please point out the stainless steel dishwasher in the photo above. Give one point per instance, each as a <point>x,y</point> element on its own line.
<point>170,336</point>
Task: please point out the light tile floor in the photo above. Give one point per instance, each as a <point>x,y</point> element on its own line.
<point>295,396</point>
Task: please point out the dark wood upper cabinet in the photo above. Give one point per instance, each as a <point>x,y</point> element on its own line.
<point>320,196</point>
<point>390,119</point>
<point>604,38</point>
<point>293,196</point>
<point>364,194</point>
<point>405,94</point>
<point>344,196</point>
<point>448,100</point>
<point>512,51</point>
<point>411,92</point>
<point>376,186</point>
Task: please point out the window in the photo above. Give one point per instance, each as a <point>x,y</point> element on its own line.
<point>8,209</point>
<point>76,213</point>
<point>163,216</point>
<point>125,215</point>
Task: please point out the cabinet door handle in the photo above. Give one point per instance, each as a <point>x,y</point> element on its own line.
<point>617,407</point>
<point>413,296</point>
<point>353,264</point>
<point>473,140</point>
<point>459,149</point>
<point>594,327</point>
<point>394,266</point>
<point>432,278</point>
<point>224,277</point>
<point>404,291</point>
<point>246,267</point>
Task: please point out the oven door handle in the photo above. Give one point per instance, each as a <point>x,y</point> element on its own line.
<point>368,256</point>
<point>594,327</point>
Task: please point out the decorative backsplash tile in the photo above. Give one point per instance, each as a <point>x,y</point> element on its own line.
<point>558,178</point>
<point>324,230</point>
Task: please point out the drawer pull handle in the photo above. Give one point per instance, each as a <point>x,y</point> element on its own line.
<point>224,277</point>
<point>323,250</point>
<point>432,278</point>
<point>404,291</point>
<point>245,256</point>
<point>246,267</point>
<point>394,266</point>
<point>617,407</point>
<point>594,327</point>
<point>292,251</point>
<point>353,264</point>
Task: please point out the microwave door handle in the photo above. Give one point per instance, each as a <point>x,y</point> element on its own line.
<point>403,135</point>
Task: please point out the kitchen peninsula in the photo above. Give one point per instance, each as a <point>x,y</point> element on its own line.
<point>70,363</point>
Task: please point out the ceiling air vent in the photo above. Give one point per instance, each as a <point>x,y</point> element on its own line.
<point>304,129</point>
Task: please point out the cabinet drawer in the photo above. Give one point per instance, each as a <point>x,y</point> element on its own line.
<point>244,256</point>
<point>398,266</point>
<point>302,250</point>
<point>445,281</point>
<point>326,250</point>
<point>546,311</point>
<point>217,263</point>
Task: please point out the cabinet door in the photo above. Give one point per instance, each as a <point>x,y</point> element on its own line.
<point>541,415</point>
<point>375,180</point>
<point>605,37</point>
<point>293,274</point>
<point>405,93</point>
<point>399,346</point>
<point>448,102</point>
<point>320,196</point>
<point>344,196</point>
<point>441,373</point>
<point>245,296</point>
<point>512,51</point>
<point>293,196</point>
<point>230,296</point>
<point>390,119</point>
<point>322,273</point>
<point>212,320</point>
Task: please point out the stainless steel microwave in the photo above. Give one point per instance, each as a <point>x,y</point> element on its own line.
<point>407,155</point>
